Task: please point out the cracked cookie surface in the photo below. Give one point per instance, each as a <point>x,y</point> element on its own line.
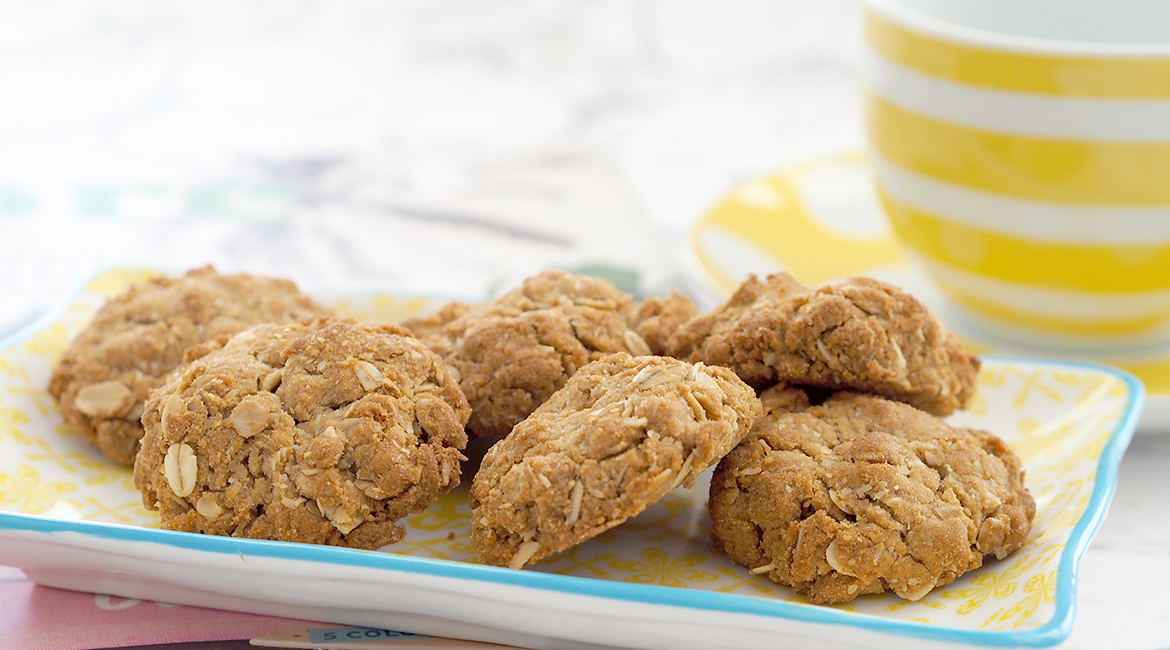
<point>513,352</point>
<point>102,379</point>
<point>853,333</point>
<point>656,319</point>
<point>621,434</point>
<point>322,431</point>
<point>860,495</point>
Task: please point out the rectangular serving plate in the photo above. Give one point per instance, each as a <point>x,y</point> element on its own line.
<point>70,519</point>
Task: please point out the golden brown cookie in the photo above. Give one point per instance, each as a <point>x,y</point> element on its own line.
<point>512,353</point>
<point>854,333</point>
<point>689,338</point>
<point>657,319</point>
<point>621,434</point>
<point>861,494</point>
<point>323,431</point>
<point>138,336</point>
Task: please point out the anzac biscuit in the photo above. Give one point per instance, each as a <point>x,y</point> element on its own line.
<point>854,333</point>
<point>657,319</point>
<point>138,336</point>
<point>512,353</point>
<point>322,431</point>
<point>621,434</point>
<point>860,495</point>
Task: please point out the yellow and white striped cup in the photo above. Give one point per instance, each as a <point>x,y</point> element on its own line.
<point>1022,153</point>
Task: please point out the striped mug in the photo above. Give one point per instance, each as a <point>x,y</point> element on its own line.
<point>1022,154</point>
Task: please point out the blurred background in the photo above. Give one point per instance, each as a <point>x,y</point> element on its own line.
<point>399,144</point>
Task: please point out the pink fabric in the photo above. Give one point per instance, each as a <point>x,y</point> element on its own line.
<point>33,617</point>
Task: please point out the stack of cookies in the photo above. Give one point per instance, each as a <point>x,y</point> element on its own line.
<point>248,410</point>
<point>852,483</point>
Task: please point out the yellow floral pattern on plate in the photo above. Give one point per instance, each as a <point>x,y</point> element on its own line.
<point>1058,417</point>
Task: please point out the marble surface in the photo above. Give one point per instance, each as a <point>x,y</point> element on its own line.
<point>151,127</point>
<point>350,144</point>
